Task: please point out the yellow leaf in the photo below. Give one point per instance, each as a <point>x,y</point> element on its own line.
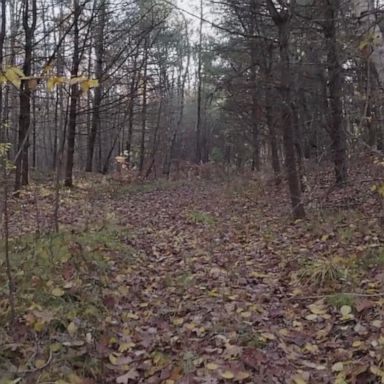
<point>246,315</point>
<point>160,359</point>
<point>131,315</point>
<point>338,367</point>
<point>380,190</point>
<point>85,86</point>
<point>55,347</point>
<point>283,332</point>
<point>213,293</point>
<point>39,363</point>
<point>53,81</point>
<point>38,326</point>
<point>377,371</point>
<point>14,75</point>
<point>345,310</point>
<point>72,328</point>
<point>126,346</point>
<point>51,84</point>
<point>258,275</point>
<point>212,366</point>
<point>242,375</point>
<point>178,321</point>
<point>298,379</point>
<point>377,323</point>
<point>297,292</point>
<point>94,83</point>
<point>77,80</point>
<point>74,379</point>
<point>18,71</point>
<point>311,348</point>
<point>113,358</point>
<point>317,309</point>
<point>227,375</point>
<point>58,292</point>
<point>268,336</point>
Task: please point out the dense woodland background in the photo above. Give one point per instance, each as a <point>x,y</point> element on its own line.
<point>266,84</point>
<point>191,193</point>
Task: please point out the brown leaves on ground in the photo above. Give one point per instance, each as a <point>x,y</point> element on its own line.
<point>198,283</point>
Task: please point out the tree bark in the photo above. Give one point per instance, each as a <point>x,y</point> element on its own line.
<point>282,21</point>
<point>29,26</point>
<point>198,155</point>
<point>144,108</point>
<point>254,85</point>
<point>335,83</point>
<point>98,92</point>
<point>68,182</point>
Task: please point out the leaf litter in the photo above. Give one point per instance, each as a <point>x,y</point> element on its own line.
<point>193,283</point>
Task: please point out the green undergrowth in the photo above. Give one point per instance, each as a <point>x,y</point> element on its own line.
<point>339,300</point>
<point>62,290</point>
<point>201,217</point>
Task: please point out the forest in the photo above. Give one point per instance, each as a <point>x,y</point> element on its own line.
<point>191,192</point>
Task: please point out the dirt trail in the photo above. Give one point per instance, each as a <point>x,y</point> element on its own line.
<point>206,289</point>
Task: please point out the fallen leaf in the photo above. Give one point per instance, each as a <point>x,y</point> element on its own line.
<point>338,367</point>
<point>133,374</point>
<point>58,292</point>
<point>39,363</point>
<point>227,375</point>
<point>345,310</point>
<point>72,328</point>
<point>298,379</point>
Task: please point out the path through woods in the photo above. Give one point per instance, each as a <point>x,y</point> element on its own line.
<point>193,282</point>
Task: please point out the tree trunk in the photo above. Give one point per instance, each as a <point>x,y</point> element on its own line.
<point>98,92</point>
<point>335,82</point>
<point>269,115</point>
<point>254,85</point>
<point>144,108</point>
<point>288,121</point>
<point>198,155</point>
<point>68,182</point>
<point>29,26</point>
<point>282,21</point>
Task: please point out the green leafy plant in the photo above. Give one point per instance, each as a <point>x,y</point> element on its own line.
<point>322,271</point>
<point>338,300</point>
<point>200,217</point>
<point>374,258</point>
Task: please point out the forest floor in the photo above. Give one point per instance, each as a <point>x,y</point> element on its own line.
<point>195,282</point>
